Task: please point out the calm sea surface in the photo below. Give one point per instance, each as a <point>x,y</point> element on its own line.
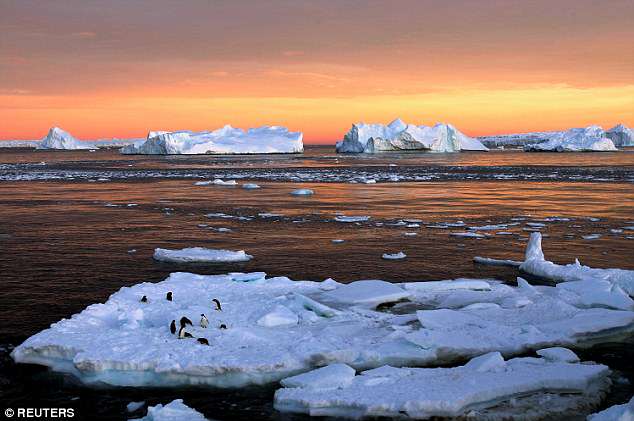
<point>77,226</point>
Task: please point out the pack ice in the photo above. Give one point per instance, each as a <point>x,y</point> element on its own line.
<point>623,412</point>
<point>227,140</point>
<point>60,139</point>
<point>400,136</point>
<point>588,139</point>
<point>276,328</point>
<point>487,387</point>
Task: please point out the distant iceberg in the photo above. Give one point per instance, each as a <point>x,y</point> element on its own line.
<point>227,140</point>
<point>588,139</point>
<point>399,136</point>
<point>621,135</point>
<point>61,139</point>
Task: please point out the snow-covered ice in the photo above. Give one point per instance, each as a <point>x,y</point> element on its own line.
<point>60,139</point>
<point>227,140</point>
<point>623,412</point>
<point>332,376</point>
<point>368,293</point>
<point>479,388</point>
<point>200,254</point>
<point>535,264</point>
<point>621,135</point>
<point>589,139</point>
<point>173,411</point>
<point>399,136</point>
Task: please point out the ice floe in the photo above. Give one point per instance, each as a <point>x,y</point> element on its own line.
<point>589,139</point>
<point>394,256</point>
<point>250,186</point>
<point>302,192</point>
<point>623,412</point>
<point>399,136</point>
<point>200,254</point>
<point>351,219</point>
<point>227,140</point>
<point>485,387</point>
<point>173,411</point>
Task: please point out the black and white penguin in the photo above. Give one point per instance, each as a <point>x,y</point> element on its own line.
<point>203,321</point>
<point>203,341</point>
<point>218,306</point>
<point>223,326</point>
<point>169,296</point>
<point>182,334</point>
<point>185,321</point>
<point>173,327</point>
<point>144,299</point>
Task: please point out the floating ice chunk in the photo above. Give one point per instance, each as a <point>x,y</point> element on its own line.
<point>489,227</point>
<point>350,219</point>
<point>337,241</point>
<point>247,277</point>
<point>250,186</point>
<point>535,264</point>
<point>597,293</point>
<point>444,286</point>
<point>60,139</point>
<point>203,183</point>
<point>496,262</point>
<point>394,256</point>
<point>302,192</point>
<point>279,316</point>
<point>558,354</point>
<point>133,406</point>
<point>200,254</point>
<point>624,412</point>
<point>591,139</point>
<point>591,236</point>
<point>467,234</point>
<point>368,293</point>
<point>227,140</point>
<point>173,411</point>
<point>332,376</point>
<point>399,136</point>
<point>410,234</point>
<point>482,385</point>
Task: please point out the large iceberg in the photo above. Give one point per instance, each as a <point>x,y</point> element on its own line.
<point>399,136</point>
<point>588,139</point>
<point>621,135</point>
<point>277,328</point>
<point>60,139</point>
<point>487,387</point>
<point>227,140</point>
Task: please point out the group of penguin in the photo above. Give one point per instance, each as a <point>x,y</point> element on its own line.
<point>184,321</point>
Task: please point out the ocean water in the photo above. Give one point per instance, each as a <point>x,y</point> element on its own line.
<point>76,226</point>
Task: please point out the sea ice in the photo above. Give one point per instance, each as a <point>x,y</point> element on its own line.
<point>496,262</point>
<point>332,376</point>
<point>394,256</point>
<point>250,186</point>
<point>227,140</point>
<point>302,192</point>
<point>350,219</point>
<point>482,386</point>
<point>467,234</point>
<point>399,136</point>
<point>591,139</point>
<point>200,254</point>
<point>368,293</point>
<point>624,412</point>
<point>173,411</point>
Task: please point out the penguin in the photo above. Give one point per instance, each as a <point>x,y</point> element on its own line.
<point>169,296</point>
<point>203,321</point>
<point>144,299</point>
<point>223,326</point>
<point>182,334</point>
<point>203,341</point>
<point>173,327</point>
<point>185,321</point>
<point>218,307</point>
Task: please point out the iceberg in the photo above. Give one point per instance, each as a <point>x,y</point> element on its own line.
<point>488,387</point>
<point>60,139</point>
<point>535,264</point>
<point>399,136</point>
<point>588,139</point>
<point>621,135</point>
<point>173,411</point>
<point>227,140</point>
<point>624,412</point>
<point>200,255</point>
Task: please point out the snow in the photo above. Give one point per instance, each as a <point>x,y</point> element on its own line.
<point>302,192</point>
<point>558,354</point>
<point>589,139</point>
<point>368,293</point>
<point>482,384</point>
<point>621,135</point>
<point>173,411</point>
<point>60,139</point>
<point>200,254</point>
<point>624,412</point>
<point>227,140</point>
<point>399,136</point>
<point>394,256</point>
<point>535,264</point>
<point>332,376</point>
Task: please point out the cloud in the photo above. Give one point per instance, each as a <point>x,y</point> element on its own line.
<point>292,53</point>
<point>84,35</point>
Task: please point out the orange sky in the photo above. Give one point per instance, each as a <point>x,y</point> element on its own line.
<point>120,68</point>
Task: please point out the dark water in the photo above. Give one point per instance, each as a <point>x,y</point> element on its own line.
<point>65,244</point>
